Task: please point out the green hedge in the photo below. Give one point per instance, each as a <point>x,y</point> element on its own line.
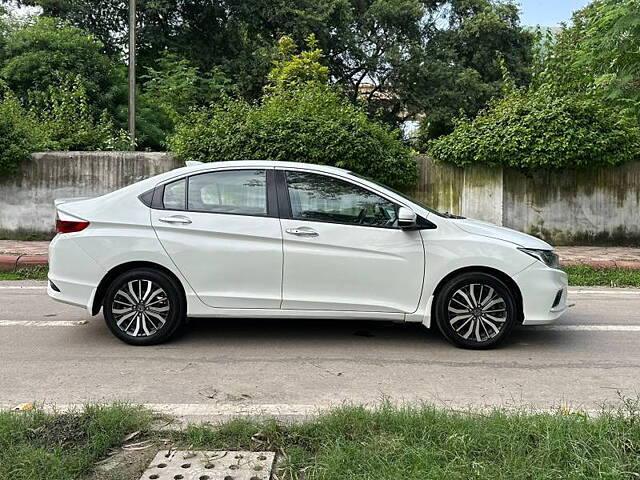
<point>312,123</point>
<point>531,130</point>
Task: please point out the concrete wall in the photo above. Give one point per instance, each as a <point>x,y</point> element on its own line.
<point>26,199</point>
<point>593,207</point>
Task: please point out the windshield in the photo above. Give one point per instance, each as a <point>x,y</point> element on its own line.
<point>413,200</point>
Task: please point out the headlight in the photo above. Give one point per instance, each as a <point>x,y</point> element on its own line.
<point>548,257</point>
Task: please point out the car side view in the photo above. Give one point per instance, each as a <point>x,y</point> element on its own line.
<point>255,239</point>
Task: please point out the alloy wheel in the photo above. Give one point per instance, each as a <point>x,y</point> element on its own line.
<point>140,308</point>
<point>476,312</point>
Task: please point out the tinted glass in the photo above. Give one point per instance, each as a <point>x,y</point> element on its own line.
<point>174,195</point>
<point>327,199</point>
<point>234,191</point>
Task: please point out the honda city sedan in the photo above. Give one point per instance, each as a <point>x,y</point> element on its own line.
<point>257,239</point>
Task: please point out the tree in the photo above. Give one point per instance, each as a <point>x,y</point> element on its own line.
<point>19,133</point>
<point>599,54</point>
<point>299,119</point>
<point>401,58</point>
<point>176,86</point>
<point>38,55</point>
<point>532,129</point>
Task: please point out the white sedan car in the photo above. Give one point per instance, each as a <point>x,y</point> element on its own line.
<point>274,239</point>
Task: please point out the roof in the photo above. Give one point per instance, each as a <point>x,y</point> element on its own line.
<point>261,163</point>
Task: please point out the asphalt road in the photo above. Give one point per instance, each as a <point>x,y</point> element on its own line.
<point>48,354</point>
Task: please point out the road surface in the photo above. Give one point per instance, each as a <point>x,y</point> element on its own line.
<point>219,366</point>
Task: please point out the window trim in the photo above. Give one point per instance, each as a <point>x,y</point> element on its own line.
<point>271,193</point>
<point>284,199</point>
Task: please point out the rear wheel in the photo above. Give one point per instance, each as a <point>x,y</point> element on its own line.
<point>143,307</point>
<point>475,310</point>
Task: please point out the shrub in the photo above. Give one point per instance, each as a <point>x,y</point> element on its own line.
<point>19,134</point>
<point>312,123</point>
<point>535,129</point>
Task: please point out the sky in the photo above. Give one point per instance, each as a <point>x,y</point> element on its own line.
<point>548,13</point>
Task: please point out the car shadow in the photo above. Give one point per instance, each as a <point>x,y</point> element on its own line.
<point>339,333</point>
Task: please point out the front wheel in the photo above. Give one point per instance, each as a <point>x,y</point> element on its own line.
<point>475,310</point>
<point>143,307</point>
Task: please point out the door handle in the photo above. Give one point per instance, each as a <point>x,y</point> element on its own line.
<point>176,220</point>
<point>302,232</point>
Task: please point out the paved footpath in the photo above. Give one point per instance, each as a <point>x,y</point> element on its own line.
<point>55,353</point>
<point>16,254</point>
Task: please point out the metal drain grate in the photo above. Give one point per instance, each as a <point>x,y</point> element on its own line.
<point>218,465</point>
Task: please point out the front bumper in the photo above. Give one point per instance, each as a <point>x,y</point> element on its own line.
<point>544,293</point>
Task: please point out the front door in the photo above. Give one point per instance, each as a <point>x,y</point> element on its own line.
<point>221,230</point>
<point>343,249</point>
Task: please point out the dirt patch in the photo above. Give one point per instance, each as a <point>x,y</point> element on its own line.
<point>62,431</point>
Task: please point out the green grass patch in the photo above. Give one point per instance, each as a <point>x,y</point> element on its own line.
<point>583,275</point>
<point>30,273</point>
<point>348,443</point>
<point>39,446</point>
<point>416,443</point>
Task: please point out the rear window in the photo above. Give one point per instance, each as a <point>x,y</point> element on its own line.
<point>174,197</point>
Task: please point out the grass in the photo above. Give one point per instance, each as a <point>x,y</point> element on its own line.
<point>352,443</point>
<point>30,273</point>
<point>348,443</point>
<point>580,275</point>
<point>39,446</point>
<point>583,275</point>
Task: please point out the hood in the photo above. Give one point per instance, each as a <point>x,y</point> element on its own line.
<point>486,229</point>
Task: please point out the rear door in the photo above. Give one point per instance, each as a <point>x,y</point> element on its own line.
<point>222,231</point>
<point>342,247</point>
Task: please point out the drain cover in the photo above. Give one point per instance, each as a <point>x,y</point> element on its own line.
<point>218,465</point>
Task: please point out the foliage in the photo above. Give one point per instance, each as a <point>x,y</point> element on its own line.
<point>67,122</point>
<point>291,70</point>
<point>176,86</point>
<point>19,133</point>
<point>401,58</point>
<point>534,129</point>
<point>299,119</point>
<point>599,54</point>
<point>311,123</point>
<point>37,55</point>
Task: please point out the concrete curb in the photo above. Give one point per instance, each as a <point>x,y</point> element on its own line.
<point>11,263</point>
<point>603,264</point>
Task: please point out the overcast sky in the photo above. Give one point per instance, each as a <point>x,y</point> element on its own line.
<point>548,13</point>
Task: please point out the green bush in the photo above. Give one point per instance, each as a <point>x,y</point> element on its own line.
<point>19,134</point>
<point>311,123</point>
<point>535,129</point>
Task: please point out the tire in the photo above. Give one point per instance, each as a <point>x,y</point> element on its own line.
<point>151,321</point>
<point>476,310</point>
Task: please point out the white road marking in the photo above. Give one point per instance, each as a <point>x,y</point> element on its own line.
<point>604,292</point>
<point>594,328</point>
<point>21,287</point>
<point>42,323</point>
<point>562,328</point>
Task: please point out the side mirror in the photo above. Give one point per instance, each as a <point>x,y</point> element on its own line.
<point>406,218</point>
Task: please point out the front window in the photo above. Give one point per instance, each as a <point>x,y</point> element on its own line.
<point>326,199</point>
<point>412,200</point>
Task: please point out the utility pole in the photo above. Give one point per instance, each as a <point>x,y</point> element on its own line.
<point>132,74</point>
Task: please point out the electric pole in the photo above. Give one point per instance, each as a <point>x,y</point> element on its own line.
<point>132,74</point>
